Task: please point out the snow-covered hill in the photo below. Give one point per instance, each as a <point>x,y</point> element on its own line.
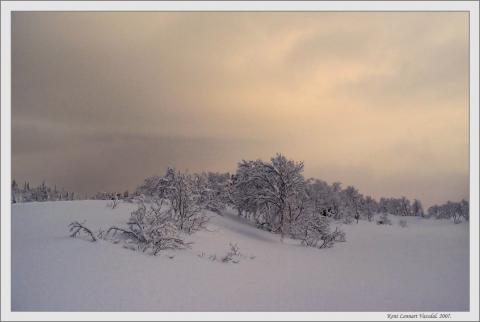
<point>422,267</point>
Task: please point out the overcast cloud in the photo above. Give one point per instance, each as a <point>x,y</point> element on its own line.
<point>377,100</point>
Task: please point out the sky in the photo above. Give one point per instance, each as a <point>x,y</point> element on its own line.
<point>378,100</point>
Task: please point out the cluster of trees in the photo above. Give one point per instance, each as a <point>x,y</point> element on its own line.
<point>169,207</point>
<point>25,193</point>
<point>454,210</point>
<point>111,195</point>
<point>274,195</point>
<point>182,194</point>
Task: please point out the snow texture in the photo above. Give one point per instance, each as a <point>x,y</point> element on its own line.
<point>421,267</point>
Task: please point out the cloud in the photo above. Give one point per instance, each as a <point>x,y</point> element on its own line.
<point>349,93</point>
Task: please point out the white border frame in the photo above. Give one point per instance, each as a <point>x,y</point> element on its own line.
<point>8,7</point>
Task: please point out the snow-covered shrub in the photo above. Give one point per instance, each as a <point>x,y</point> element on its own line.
<point>384,220</point>
<point>113,204</point>
<point>151,227</point>
<point>182,196</point>
<point>314,231</point>
<point>213,190</point>
<point>185,203</point>
<point>233,255</point>
<point>77,228</point>
<point>402,223</point>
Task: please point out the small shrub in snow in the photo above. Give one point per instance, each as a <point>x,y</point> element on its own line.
<point>338,235</point>
<point>77,228</point>
<point>329,239</point>
<point>233,255</point>
<point>314,231</point>
<point>402,223</point>
<point>384,220</point>
<point>151,228</point>
<point>113,204</point>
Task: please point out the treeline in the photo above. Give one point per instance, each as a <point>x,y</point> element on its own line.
<point>453,210</point>
<point>26,193</point>
<point>276,196</point>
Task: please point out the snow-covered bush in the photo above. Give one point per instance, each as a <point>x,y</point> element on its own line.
<point>182,195</point>
<point>213,189</point>
<point>77,228</point>
<point>384,220</point>
<point>151,227</point>
<point>113,204</point>
<point>402,223</point>
<point>314,231</point>
<point>168,207</point>
<point>233,255</point>
<point>185,203</point>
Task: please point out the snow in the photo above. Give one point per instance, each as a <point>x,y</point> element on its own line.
<point>422,267</point>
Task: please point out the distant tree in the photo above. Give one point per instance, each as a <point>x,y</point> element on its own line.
<point>405,207</point>
<point>14,191</point>
<point>370,208</point>
<point>450,210</point>
<point>417,208</point>
<point>353,201</point>
<point>465,209</point>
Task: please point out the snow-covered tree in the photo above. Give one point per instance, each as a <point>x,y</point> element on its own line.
<point>370,207</point>
<point>213,190</point>
<point>450,210</point>
<point>185,202</point>
<point>353,201</point>
<point>40,193</point>
<point>321,196</point>
<point>417,208</point>
<point>184,195</point>
<point>14,191</point>
<point>465,209</point>
<point>271,188</point>
<point>405,207</point>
